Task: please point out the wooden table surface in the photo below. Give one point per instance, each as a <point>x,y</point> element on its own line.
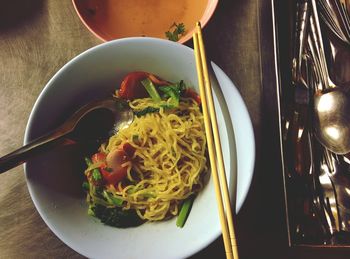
<point>38,37</point>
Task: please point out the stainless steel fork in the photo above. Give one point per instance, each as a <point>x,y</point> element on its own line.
<point>335,16</point>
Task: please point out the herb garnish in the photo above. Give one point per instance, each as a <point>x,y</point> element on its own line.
<point>179,30</point>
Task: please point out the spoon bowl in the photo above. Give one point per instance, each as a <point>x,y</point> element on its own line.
<point>93,122</point>
<point>332,120</point>
<point>331,102</point>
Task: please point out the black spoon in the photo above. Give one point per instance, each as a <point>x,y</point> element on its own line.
<point>92,122</point>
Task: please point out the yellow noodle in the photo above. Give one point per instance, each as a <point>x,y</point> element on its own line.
<point>169,161</point>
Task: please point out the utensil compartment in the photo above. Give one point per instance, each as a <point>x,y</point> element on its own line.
<point>316,180</point>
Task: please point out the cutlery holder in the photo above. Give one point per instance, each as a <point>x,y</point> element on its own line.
<point>316,181</point>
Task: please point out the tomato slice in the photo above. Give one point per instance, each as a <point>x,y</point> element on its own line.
<point>131,87</point>
<point>115,176</point>
<point>98,157</point>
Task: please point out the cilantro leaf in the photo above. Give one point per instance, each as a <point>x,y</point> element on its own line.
<point>173,91</point>
<point>175,35</point>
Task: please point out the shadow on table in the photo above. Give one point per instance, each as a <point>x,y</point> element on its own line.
<point>16,13</point>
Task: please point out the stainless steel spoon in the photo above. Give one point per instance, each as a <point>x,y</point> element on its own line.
<point>322,189</point>
<point>90,123</point>
<point>331,104</point>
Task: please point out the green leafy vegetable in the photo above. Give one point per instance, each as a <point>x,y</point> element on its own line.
<point>86,186</point>
<point>135,138</point>
<point>179,30</point>
<point>184,211</point>
<point>96,175</point>
<point>145,111</point>
<point>170,92</point>
<point>116,217</point>
<point>151,89</point>
<point>88,161</point>
<point>112,199</point>
<point>173,92</point>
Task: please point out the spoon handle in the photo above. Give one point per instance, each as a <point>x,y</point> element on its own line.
<point>300,30</point>
<point>22,154</point>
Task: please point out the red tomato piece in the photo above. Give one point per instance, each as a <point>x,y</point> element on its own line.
<point>115,176</point>
<point>131,87</point>
<point>192,94</point>
<point>98,157</point>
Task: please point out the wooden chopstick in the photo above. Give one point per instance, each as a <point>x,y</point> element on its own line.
<point>214,147</point>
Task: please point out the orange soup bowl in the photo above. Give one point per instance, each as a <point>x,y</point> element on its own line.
<point>174,20</point>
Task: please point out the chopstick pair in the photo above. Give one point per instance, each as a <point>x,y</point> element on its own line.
<point>214,147</point>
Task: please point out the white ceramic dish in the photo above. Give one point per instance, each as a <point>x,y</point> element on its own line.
<point>54,179</point>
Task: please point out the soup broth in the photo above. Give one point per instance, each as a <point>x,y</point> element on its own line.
<point>126,18</point>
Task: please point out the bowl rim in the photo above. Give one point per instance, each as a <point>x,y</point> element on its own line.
<point>27,138</point>
<point>208,13</point>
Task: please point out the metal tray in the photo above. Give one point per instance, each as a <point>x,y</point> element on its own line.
<point>311,210</point>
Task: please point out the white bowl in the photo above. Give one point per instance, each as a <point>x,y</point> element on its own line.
<point>54,179</point>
